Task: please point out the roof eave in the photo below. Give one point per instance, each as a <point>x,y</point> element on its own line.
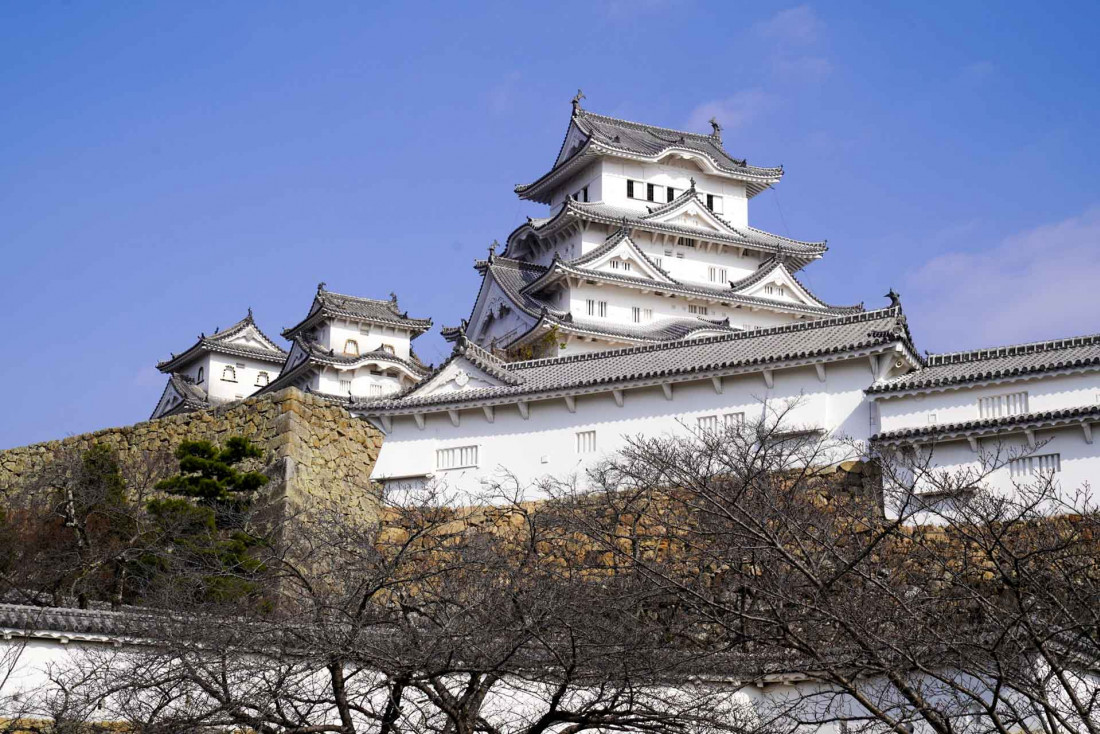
<point>626,384</point>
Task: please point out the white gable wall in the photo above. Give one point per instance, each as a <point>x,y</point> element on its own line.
<point>221,386</point>
<point>621,301</point>
<point>615,172</point>
<point>369,337</point>
<point>497,317</point>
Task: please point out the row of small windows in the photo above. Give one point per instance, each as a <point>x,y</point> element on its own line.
<point>229,374</point>
<point>580,194</point>
<point>709,423</point>
<point>584,442</point>
<point>655,192</point>
<point>351,348</point>
<point>374,390</point>
<point>771,289</point>
<point>639,314</point>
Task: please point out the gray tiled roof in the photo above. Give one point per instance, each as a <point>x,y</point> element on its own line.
<point>328,304</point>
<point>998,363</point>
<point>610,135</point>
<point>1044,419</point>
<point>68,621</point>
<point>513,276</point>
<point>799,251</point>
<point>748,349</point>
<point>221,342</point>
<point>192,397</point>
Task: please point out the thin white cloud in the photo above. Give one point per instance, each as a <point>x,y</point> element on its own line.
<point>1037,284</point>
<point>977,72</point>
<point>501,97</point>
<point>801,68</point>
<point>799,24</point>
<point>792,36</point>
<point>733,112</point>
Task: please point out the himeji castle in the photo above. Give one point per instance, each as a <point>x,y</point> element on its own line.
<point>642,304</point>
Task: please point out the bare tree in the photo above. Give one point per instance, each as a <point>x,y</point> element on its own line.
<point>975,612</point>
<point>434,620</point>
<point>74,530</point>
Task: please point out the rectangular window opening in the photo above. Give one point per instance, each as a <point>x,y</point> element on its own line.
<point>457,457</point>
<point>1035,465</point>
<point>1000,406</point>
<point>586,442</point>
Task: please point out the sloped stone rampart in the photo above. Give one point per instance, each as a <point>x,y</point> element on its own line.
<point>316,453</point>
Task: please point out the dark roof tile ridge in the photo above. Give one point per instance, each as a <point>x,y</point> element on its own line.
<point>1011,350</point>
<point>822,243</point>
<point>511,262</point>
<point>766,266</point>
<point>362,299</point>
<point>644,127</point>
<point>221,336</point>
<point>737,335</point>
<point>978,423</point>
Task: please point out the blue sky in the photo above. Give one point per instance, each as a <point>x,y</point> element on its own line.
<point>163,167</point>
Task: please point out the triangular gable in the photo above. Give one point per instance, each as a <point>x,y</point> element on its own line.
<point>248,336</point>
<point>620,248</point>
<point>169,399</point>
<point>575,139</point>
<point>460,374</point>
<point>778,285</point>
<point>298,355</point>
<point>497,314</point>
<point>688,211</point>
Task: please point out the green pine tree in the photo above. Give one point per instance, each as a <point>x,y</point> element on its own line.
<point>204,519</point>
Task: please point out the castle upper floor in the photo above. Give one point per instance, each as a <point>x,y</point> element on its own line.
<point>637,166</point>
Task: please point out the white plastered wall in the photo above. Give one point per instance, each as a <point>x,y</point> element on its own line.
<point>221,385</point>
<point>621,300</point>
<point>1054,392</point>
<point>546,442</point>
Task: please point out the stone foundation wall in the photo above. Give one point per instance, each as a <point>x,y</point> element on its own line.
<point>317,454</point>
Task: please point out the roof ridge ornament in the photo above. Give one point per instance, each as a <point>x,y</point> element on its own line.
<point>692,186</point>
<point>577,102</point>
<point>895,299</point>
<point>321,286</point>
<point>716,129</point>
<point>493,249</point>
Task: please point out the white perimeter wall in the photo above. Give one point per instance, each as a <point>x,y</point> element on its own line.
<point>961,404</point>
<point>546,443</point>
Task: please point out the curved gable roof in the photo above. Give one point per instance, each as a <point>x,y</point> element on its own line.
<point>230,342</point>
<point>327,304</point>
<point>603,135</point>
